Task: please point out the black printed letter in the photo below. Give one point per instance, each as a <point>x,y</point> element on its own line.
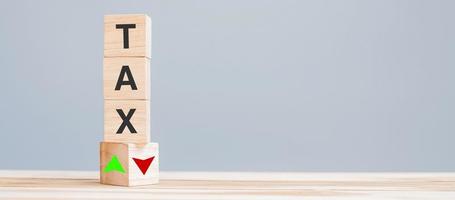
<point>126,121</point>
<point>125,28</point>
<point>125,70</point>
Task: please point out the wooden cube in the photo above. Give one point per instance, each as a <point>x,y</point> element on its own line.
<point>127,35</point>
<point>126,78</point>
<point>128,164</point>
<point>127,121</point>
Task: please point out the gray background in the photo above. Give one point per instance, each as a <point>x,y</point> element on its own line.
<point>239,85</point>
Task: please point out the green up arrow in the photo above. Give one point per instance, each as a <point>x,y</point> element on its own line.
<point>114,165</point>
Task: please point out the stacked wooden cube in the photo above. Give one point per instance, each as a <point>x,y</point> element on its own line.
<point>127,156</point>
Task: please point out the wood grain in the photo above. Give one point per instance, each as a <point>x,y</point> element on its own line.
<point>125,153</point>
<point>140,71</point>
<point>139,37</point>
<point>233,185</point>
<point>140,121</point>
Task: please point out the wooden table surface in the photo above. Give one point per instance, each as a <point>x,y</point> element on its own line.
<point>231,185</point>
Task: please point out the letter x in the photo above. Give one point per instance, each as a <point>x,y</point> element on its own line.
<point>126,121</point>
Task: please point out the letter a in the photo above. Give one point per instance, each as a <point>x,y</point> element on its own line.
<point>125,70</point>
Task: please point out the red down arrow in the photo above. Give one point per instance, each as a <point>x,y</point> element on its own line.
<point>144,164</point>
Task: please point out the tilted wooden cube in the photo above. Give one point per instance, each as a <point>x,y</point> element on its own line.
<point>127,121</point>
<point>126,78</point>
<point>128,164</point>
<point>127,35</point>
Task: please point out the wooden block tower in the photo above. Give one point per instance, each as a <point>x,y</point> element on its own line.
<point>127,157</point>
